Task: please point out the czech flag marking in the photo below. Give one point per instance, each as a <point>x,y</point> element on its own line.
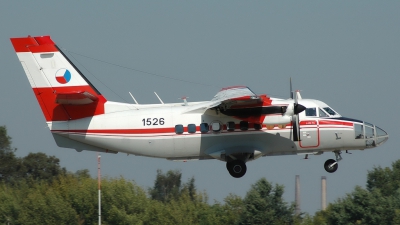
<point>63,76</point>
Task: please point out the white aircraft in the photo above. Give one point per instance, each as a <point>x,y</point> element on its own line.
<point>236,126</point>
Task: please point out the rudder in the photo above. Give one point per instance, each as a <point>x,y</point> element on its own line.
<point>62,91</point>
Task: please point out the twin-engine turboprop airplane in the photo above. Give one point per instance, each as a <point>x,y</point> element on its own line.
<point>236,126</point>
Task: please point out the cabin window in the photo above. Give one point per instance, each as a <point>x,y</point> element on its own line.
<point>230,126</point>
<point>330,111</point>
<point>380,132</point>
<point>322,113</point>
<point>381,135</point>
<point>244,125</point>
<point>204,128</point>
<point>311,112</point>
<point>192,128</point>
<point>369,130</point>
<point>216,127</point>
<point>257,126</point>
<point>358,131</point>
<point>179,129</point>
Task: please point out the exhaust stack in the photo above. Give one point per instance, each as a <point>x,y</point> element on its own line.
<point>297,195</point>
<point>323,192</point>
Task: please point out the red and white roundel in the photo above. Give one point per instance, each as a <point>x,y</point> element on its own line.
<point>63,76</point>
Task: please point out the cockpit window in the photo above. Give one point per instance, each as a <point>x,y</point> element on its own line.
<point>330,111</point>
<point>311,112</point>
<point>322,113</point>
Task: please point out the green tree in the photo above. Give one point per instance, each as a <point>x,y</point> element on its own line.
<point>228,213</point>
<point>82,173</point>
<point>80,192</point>
<point>264,204</point>
<point>166,186</point>
<point>44,205</point>
<point>5,140</point>
<point>126,202</point>
<point>385,179</point>
<point>39,166</point>
<point>9,163</point>
<point>364,207</point>
<point>379,203</point>
<point>10,206</point>
<point>190,188</point>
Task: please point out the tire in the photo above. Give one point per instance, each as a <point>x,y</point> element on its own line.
<point>330,169</point>
<point>236,168</point>
<point>228,165</point>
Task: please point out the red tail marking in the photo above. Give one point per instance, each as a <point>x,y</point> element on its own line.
<point>47,97</point>
<point>34,44</point>
<point>53,111</point>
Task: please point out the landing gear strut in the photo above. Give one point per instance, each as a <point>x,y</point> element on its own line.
<point>236,168</point>
<point>331,165</point>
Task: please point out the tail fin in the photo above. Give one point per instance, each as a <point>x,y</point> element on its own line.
<point>62,91</point>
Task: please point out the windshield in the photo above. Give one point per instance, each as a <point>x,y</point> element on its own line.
<point>330,111</point>
<point>322,113</point>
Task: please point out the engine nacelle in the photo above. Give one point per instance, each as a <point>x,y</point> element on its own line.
<point>277,120</point>
<point>289,110</point>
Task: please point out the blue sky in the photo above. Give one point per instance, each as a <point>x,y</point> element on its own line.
<point>345,53</point>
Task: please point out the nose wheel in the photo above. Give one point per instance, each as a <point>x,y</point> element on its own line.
<point>236,168</point>
<point>332,165</point>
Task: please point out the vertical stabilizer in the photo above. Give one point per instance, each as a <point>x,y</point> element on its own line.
<point>62,91</point>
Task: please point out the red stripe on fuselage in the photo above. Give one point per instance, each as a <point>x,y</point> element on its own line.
<point>153,131</point>
<point>123,131</point>
<point>171,130</point>
<point>333,122</point>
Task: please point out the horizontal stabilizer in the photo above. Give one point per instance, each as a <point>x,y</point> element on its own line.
<point>75,98</point>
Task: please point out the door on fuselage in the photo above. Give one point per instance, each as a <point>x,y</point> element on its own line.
<point>179,139</point>
<point>309,134</point>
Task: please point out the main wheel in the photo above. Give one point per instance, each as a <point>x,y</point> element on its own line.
<point>331,165</point>
<point>236,168</point>
<point>228,165</point>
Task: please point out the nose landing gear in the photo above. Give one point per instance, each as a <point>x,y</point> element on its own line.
<point>236,168</point>
<point>331,165</point>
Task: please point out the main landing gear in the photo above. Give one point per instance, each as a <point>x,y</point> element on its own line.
<point>236,168</point>
<point>332,165</point>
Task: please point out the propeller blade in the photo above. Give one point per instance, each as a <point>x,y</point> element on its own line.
<point>298,128</point>
<point>295,128</point>
<point>297,108</point>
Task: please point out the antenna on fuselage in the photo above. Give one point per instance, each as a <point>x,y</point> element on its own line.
<point>185,103</point>
<point>159,98</point>
<point>133,98</point>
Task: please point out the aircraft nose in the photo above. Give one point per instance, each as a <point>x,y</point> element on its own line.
<point>381,136</point>
<point>374,135</point>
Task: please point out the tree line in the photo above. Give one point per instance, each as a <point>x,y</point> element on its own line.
<point>35,190</point>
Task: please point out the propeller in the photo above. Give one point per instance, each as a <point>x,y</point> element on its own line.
<point>297,108</point>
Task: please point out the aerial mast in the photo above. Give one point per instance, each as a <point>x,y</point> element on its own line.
<point>99,184</point>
